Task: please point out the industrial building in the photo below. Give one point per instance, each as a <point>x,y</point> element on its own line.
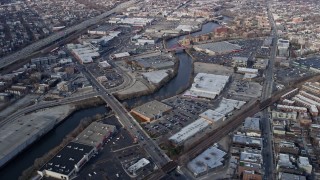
<point>67,162</point>
<point>17,135</point>
<point>151,110</point>
<point>138,166</point>
<point>155,61</point>
<point>84,53</point>
<point>156,77</point>
<point>95,135</point>
<point>222,111</point>
<point>217,48</point>
<point>207,85</point>
<point>188,131</point>
<point>206,161</point>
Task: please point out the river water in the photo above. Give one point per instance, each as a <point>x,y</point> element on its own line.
<point>180,81</point>
<point>24,160</point>
<point>16,166</point>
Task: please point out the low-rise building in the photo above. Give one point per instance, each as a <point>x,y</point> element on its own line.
<point>151,110</point>
<point>206,161</point>
<point>138,166</point>
<point>303,163</point>
<point>67,162</point>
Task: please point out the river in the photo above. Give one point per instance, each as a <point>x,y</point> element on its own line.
<point>180,81</point>
<point>16,166</point>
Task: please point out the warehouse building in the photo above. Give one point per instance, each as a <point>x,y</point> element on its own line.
<point>207,85</point>
<point>84,53</point>
<point>225,107</point>
<point>151,110</point>
<point>189,131</point>
<point>67,162</point>
<point>217,48</point>
<point>206,161</point>
<point>95,135</point>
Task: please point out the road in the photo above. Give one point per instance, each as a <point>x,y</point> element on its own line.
<point>27,51</point>
<point>129,123</point>
<point>47,104</point>
<point>267,151</point>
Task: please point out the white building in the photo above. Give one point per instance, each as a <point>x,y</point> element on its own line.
<point>133,169</point>
<point>303,163</point>
<point>208,85</point>
<point>207,160</point>
<point>189,131</point>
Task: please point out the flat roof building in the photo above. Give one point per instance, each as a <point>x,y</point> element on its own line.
<point>207,160</point>
<point>151,110</point>
<point>247,140</point>
<point>251,127</point>
<point>208,85</point>
<point>136,167</point>
<point>95,134</point>
<point>189,131</point>
<point>67,162</point>
<point>217,48</point>
<point>225,107</point>
<point>288,176</point>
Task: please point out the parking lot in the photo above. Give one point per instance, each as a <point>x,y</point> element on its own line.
<point>184,112</point>
<point>287,74</point>
<point>117,151</point>
<point>249,47</point>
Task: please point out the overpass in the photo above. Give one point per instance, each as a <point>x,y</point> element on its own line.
<point>27,51</point>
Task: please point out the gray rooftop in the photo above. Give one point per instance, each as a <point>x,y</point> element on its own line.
<point>219,47</point>
<point>252,124</point>
<point>94,134</point>
<point>152,109</point>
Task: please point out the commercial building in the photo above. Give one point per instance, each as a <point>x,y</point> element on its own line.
<point>251,127</point>
<point>138,166</point>
<point>95,135</point>
<point>261,64</point>
<point>208,85</point>
<point>217,48</point>
<point>247,70</point>
<point>242,140</point>
<point>206,161</point>
<point>239,61</point>
<point>288,176</point>
<point>67,162</point>
<point>189,131</point>
<point>283,47</point>
<point>303,163</point>
<point>151,110</point>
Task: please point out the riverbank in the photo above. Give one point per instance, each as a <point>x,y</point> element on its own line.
<point>142,87</point>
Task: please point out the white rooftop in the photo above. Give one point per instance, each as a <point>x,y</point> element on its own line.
<point>210,158</point>
<point>190,130</point>
<point>138,165</point>
<point>226,106</point>
<point>208,85</point>
<point>156,76</point>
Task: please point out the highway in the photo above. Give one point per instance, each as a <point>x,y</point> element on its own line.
<point>267,151</point>
<point>129,123</point>
<point>47,104</point>
<point>27,51</point>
